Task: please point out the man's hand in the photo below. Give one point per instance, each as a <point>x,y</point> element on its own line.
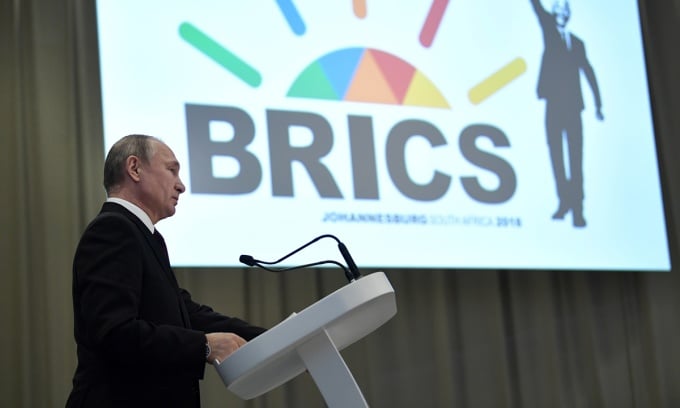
<point>222,345</point>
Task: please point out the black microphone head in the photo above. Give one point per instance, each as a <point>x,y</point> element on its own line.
<point>247,259</point>
<point>355,274</point>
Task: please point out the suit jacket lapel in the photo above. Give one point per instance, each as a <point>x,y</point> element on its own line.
<point>159,250</point>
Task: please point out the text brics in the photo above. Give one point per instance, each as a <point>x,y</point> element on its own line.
<point>282,154</point>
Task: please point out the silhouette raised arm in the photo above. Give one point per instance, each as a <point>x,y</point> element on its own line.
<point>538,8</point>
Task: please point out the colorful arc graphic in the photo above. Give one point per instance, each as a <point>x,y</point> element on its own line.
<point>357,74</point>
<point>366,75</point>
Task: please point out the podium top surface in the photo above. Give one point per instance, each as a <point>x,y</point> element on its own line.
<point>347,315</point>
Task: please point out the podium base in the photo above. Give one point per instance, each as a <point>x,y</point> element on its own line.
<point>330,373</point>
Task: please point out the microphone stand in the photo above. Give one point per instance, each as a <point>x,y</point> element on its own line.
<point>351,274</point>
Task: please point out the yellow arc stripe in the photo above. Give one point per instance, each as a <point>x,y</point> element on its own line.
<point>497,80</point>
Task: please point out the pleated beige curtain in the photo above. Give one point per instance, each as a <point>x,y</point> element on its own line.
<point>461,338</point>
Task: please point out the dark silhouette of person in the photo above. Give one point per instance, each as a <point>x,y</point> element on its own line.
<point>559,83</point>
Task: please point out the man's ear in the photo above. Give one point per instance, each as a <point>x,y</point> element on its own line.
<point>133,167</point>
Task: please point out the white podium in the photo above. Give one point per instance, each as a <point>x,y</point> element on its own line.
<point>311,340</point>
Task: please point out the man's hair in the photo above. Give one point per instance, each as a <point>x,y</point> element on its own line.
<point>130,145</point>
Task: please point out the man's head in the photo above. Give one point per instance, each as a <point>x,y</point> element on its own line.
<point>561,12</point>
<point>143,170</point>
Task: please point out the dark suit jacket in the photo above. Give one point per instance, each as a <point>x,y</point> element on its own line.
<point>559,80</point>
<point>140,337</point>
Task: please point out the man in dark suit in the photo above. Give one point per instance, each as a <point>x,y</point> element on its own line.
<point>141,339</point>
<point>559,83</point>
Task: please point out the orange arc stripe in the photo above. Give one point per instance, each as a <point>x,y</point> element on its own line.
<point>359,7</point>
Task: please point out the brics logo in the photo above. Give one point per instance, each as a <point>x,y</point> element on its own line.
<point>354,74</point>
<point>366,75</point>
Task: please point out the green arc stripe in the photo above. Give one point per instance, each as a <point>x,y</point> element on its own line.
<point>219,54</point>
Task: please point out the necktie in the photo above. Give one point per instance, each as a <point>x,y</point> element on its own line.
<point>164,248</point>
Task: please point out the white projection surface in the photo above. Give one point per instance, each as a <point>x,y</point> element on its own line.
<point>424,134</point>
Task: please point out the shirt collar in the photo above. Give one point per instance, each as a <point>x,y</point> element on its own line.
<point>135,210</point>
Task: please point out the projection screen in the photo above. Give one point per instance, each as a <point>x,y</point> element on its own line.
<point>423,134</point>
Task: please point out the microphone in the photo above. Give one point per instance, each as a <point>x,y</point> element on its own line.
<point>247,259</point>
<point>351,274</point>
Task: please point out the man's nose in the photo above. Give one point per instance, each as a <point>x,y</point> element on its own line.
<point>180,187</point>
